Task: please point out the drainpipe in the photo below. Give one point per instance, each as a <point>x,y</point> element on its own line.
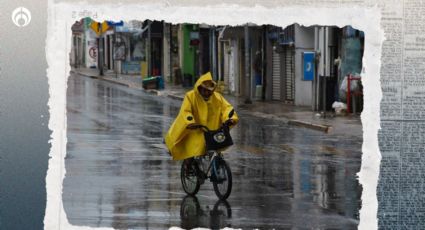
<point>247,68</point>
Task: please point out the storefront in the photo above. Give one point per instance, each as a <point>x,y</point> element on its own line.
<point>129,48</point>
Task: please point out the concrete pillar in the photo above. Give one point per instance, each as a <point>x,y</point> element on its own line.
<point>166,60</point>
<point>214,54</point>
<point>247,67</point>
<point>316,85</point>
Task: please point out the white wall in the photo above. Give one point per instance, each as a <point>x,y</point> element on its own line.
<point>234,68</point>
<point>90,43</point>
<point>304,41</point>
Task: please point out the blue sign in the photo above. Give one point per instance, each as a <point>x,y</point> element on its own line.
<point>308,66</point>
<point>111,23</point>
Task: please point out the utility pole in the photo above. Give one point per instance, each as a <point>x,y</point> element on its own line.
<point>316,73</point>
<point>100,44</point>
<point>247,67</point>
<point>114,52</point>
<point>325,69</point>
<point>149,50</point>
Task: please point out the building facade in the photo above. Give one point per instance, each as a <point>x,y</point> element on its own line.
<point>256,62</point>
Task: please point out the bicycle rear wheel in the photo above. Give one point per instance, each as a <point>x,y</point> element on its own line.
<point>222,181</point>
<point>189,176</point>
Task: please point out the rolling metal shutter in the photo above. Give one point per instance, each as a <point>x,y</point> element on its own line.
<point>289,74</point>
<point>276,76</point>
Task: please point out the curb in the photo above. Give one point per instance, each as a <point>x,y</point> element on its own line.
<point>323,128</point>
<point>175,97</point>
<point>113,81</point>
<point>104,79</point>
<point>152,91</point>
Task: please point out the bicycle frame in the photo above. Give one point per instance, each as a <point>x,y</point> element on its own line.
<point>210,166</point>
<point>212,155</point>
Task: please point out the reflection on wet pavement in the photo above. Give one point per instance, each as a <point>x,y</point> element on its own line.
<point>194,215</point>
<point>119,175</point>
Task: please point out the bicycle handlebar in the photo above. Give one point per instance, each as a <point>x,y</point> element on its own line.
<point>227,123</point>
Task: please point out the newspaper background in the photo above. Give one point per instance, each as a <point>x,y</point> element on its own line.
<point>399,190</point>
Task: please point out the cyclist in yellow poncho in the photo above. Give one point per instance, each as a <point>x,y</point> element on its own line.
<point>203,106</point>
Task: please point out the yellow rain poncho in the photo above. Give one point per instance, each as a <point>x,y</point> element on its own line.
<point>185,143</point>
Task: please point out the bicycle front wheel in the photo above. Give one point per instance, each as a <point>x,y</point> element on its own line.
<point>189,176</point>
<point>223,179</point>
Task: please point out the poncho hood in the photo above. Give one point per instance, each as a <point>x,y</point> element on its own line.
<point>200,81</point>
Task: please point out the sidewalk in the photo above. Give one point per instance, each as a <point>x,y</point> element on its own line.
<point>292,115</point>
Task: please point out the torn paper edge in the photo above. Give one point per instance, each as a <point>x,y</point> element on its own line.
<point>58,45</point>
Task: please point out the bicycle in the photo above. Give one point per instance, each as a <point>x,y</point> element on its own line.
<point>211,165</point>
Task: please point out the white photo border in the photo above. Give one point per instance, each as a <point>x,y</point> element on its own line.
<point>61,16</point>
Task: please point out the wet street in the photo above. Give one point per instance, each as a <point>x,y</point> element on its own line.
<point>119,175</point>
